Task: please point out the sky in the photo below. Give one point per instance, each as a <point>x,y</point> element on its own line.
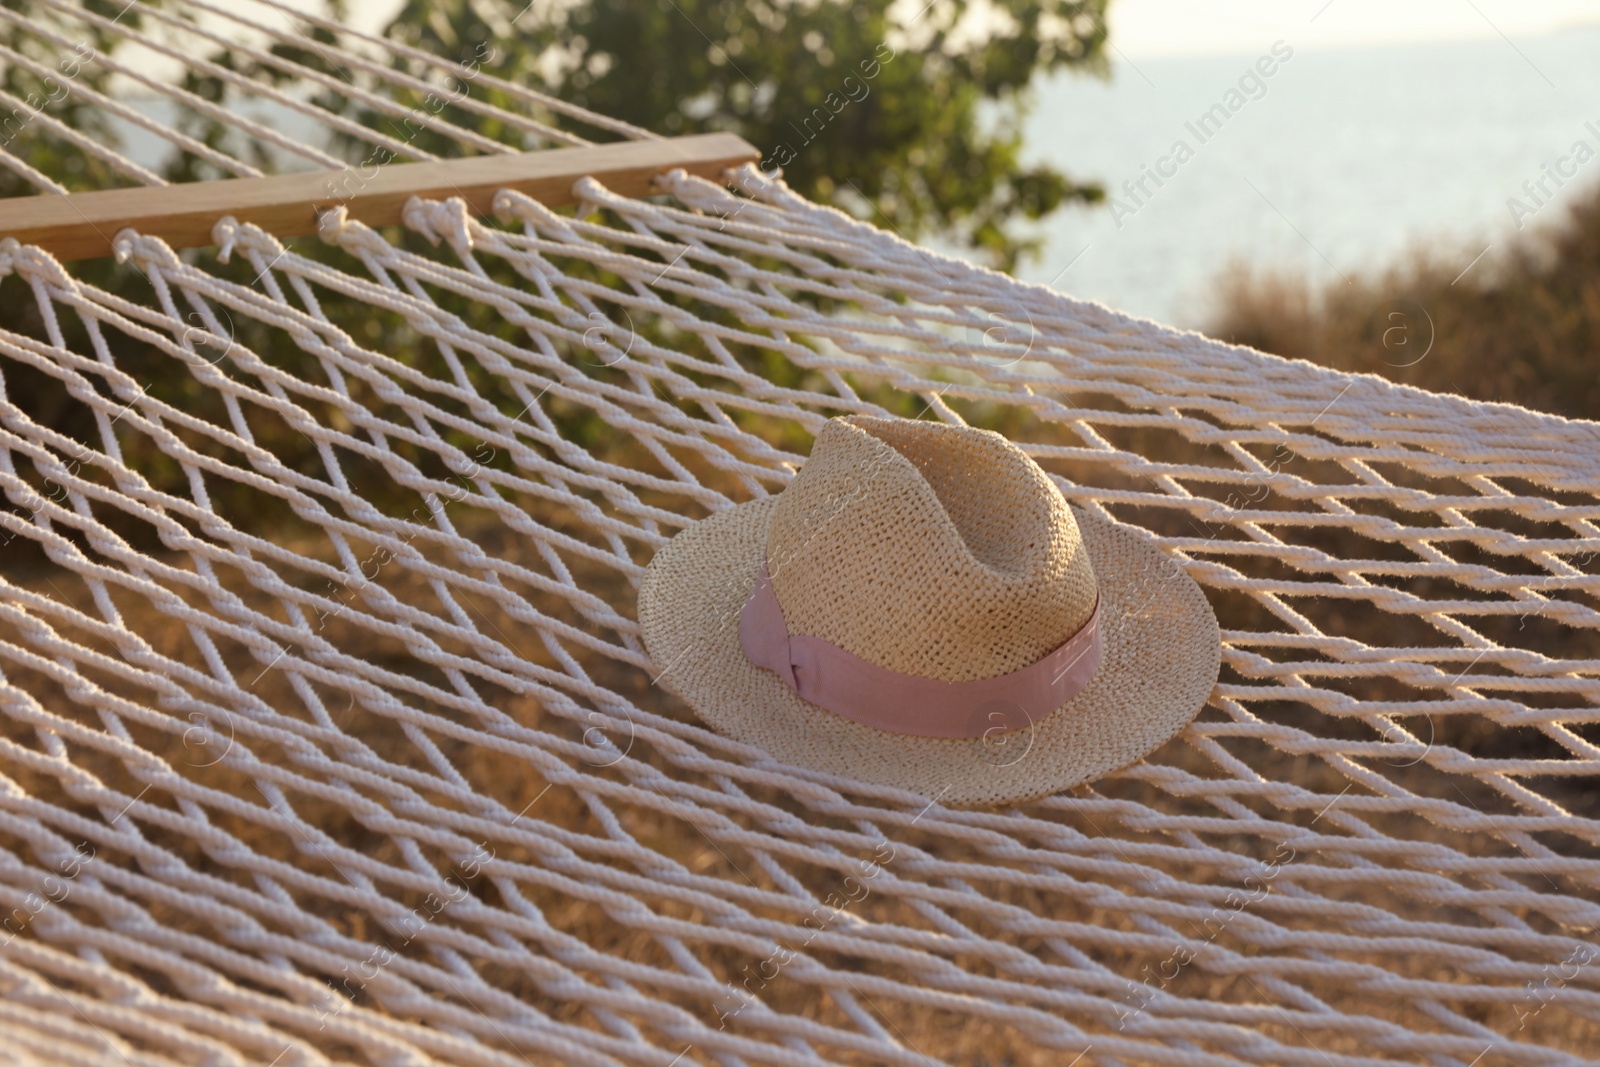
<point>1148,28</point>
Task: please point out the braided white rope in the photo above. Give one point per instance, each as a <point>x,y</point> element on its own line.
<point>366,71</point>
<point>513,90</point>
<point>400,789</point>
<point>133,117</point>
<point>261,133</point>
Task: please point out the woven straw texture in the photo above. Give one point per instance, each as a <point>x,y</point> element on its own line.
<point>928,549</point>
<point>869,557</point>
<point>1161,657</point>
<point>373,771</point>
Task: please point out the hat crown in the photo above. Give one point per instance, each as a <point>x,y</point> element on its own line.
<point>934,550</point>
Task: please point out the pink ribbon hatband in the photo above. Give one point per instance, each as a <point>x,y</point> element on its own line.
<point>828,676</point>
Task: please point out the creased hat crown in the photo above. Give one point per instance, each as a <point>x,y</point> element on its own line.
<point>934,550</point>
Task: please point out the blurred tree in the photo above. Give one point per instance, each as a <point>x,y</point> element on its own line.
<point>910,118</point>
<point>50,62</point>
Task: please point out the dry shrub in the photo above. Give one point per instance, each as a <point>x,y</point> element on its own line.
<point>1521,326</point>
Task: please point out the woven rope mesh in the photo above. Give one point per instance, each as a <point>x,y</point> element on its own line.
<point>357,758</point>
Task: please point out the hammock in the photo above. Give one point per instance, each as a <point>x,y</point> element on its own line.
<point>358,759</point>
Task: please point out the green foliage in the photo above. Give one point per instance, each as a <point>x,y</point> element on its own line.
<point>57,65</point>
<point>914,126</point>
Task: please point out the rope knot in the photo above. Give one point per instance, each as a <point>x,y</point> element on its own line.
<point>223,234</point>
<point>437,220</point>
<point>669,182</point>
<point>29,261</point>
<point>333,223</point>
<point>591,195</point>
<point>336,227</point>
<point>507,204</point>
<point>767,187</point>
<point>511,206</point>
<point>230,235</point>
<point>588,188</point>
<point>142,250</point>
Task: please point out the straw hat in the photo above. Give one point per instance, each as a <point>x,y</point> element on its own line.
<point>960,632</point>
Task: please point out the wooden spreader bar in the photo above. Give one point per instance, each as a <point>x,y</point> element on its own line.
<point>82,225</point>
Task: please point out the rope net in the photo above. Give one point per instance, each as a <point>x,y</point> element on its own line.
<point>326,733</point>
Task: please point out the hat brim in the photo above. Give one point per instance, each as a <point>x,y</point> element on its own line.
<point>1162,652</point>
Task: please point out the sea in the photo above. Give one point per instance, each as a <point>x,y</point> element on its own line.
<point>1338,163</point>
<point>1329,162</point>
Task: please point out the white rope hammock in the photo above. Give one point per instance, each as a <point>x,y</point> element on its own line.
<point>392,785</point>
